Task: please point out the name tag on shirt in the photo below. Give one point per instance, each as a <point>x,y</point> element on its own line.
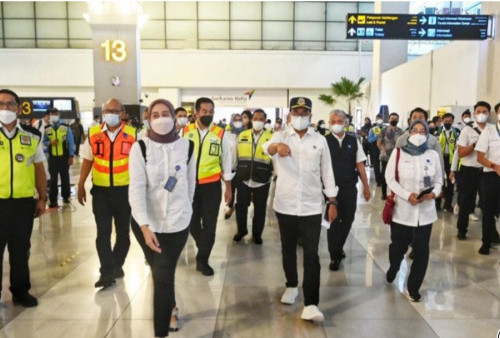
<point>170,185</point>
<point>427,181</point>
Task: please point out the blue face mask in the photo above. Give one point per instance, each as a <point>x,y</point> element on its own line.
<point>112,120</point>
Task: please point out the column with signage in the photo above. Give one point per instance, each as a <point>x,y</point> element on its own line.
<point>116,51</point>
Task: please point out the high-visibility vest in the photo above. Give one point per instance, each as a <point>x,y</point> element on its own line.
<point>208,152</point>
<point>110,167</point>
<point>349,128</point>
<point>61,135</point>
<point>376,130</point>
<point>17,170</point>
<point>451,142</point>
<point>253,162</point>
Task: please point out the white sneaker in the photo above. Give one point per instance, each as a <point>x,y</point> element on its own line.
<point>473,217</point>
<point>311,312</point>
<point>290,296</point>
<point>456,209</point>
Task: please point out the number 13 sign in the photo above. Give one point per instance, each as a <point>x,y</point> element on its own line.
<point>114,50</point>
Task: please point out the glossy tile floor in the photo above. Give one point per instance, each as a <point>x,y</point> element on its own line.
<point>461,289</point>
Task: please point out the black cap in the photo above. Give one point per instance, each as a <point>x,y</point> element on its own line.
<point>298,102</point>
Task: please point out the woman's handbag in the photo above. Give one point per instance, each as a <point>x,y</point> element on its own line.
<point>390,200</point>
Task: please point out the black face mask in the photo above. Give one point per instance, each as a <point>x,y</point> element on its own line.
<point>206,120</point>
<point>394,123</point>
<point>447,126</point>
<point>432,130</point>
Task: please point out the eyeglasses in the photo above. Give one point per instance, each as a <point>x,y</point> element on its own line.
<point>8,105</point>
<point>112,111</point>
<point>421,132</point>
<point>300,113</point>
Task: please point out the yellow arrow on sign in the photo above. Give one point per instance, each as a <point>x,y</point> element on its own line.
<point>352,19</point>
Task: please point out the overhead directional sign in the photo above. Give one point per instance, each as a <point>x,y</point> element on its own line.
<point>418,27</point>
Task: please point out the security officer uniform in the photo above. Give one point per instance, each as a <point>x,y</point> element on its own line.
<point>58,158</point>
<point>20,149</point>
<point>208,152</point>
<point>110,178</point>
<point>447,140</point>
<point>254,170</point>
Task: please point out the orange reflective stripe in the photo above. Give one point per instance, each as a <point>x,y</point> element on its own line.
<point>210,179</point>
<point>101,168</point>
<point>120,169</point>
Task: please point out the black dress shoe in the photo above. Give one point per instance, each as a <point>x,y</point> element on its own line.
<point>238,237</point>
<point>384,198</point>
<point>414,296</point>
<point>104,282</point>
<point>390,275</point>
<point>66,201</point>
<point>461,236</point>
<point>53,205</point>
<point>448,208</point>
<point>257,240</point>
<point>118,273</point>
<point>484,250</point>
<point>335,264</point>
<point>25,299</point>
<point>205,269</point>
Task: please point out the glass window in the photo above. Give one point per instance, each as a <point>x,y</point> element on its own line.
<point>51,29</point>
<point>335,31</point>
<point>172,44</point>
<point>79,29</point>
<point>342,46</point>
<point>180,10</point>
<point>211,10</point>
<point>80,44</point>
<point>152,44</point>
<point>312,31</point>
<point>245,30</point>
<point>366,7</point>
<point>181,30</point>
<point>277,45</point>
<point>309,45</point>
<point>154,30</point>
<point>19,28</point>
<point>236,44</point>
<point>246,10</point>
<point>277,30</point>
<point>214,44</point>
<point>20,43</point>
<point>154,10</point>
<point>337,11</point>
<point>310,11</point>
<point>52,43</point>
<point>51,10</point>
<point>18,10</point>
<point>213,30</point>
<point>76,9</point>
<point>278,10</point>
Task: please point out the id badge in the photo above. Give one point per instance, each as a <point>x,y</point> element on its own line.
<point>427,181</point>
<point>170,185</point>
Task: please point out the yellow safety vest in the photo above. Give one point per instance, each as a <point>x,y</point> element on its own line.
<point>208,152</point>
<point>253,162</point>
<point>60,134</point>
<point>17,170</point>
<point>376,130</point>
<point>451,143</point>
<point>349,128</point>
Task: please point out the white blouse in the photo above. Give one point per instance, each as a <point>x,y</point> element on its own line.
<point>412,170</point>
<point>151,203</point>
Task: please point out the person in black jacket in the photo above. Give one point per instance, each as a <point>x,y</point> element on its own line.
<point>348,160</point>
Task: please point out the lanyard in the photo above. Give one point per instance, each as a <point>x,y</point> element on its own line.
<point>498,131</point>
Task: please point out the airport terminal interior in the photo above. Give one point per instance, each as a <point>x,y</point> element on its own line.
<point>75,55</point>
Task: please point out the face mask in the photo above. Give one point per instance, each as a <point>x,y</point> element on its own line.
<point>432,130</point>
<point>394,123</point>
<point>337,128</point>
<point>447,126</point>
<point>7,116</point>
<point>257,125</point>
<point>467,120</point>
<point>206,120</point>
<point>146,125</point>
<point>182,121</point>
<point>162,125</point>
<point>111,120</point>
<point>380,121</point>
<point>417,139</point>
<point>482,118</point>
<point>268,126</point>
<point>300,122</point>
<point>54,118</point>
<point>238,124</point>
<point>321,126</point>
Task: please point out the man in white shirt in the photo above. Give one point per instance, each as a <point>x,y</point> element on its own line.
<point>488,154</point>
<point>470,170</point>
<point>348,161</point>
<point>302,161</point>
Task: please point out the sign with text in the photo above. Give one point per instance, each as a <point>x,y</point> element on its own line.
<point>418,27</point>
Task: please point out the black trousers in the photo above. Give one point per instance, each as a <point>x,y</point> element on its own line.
<point>110,203</point>
<point>206,204</point>
<point>260,204</point>
<point>163,269</point>
<point>136,230</point>
<point>470,179</point>
<point>77,140</point>
<point>491,197</point>
<point>374,159</point>
<point>234,184</point>
<point>384,183</point>
<point>448,188</point>
<point>308,229</point>
<point>340,228</point>
<point>419,237</point>
<point>16,225</point>
<point>58,166</point>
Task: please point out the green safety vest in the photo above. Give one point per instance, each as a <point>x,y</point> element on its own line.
<point>253,162</point>
<point>450,141</point>
<point>60,134</point>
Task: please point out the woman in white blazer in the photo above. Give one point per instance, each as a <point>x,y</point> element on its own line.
<point>420,181</point>
<point>162,182</point>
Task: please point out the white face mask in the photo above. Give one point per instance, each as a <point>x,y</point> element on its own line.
<point>380,121</point>
<point>54,118</point>
<point>238,124</point>
<point>162,125</point>
<point>417,139</point>
<point>467,120</point>
<point>182,121</point>
<point>146,125</point>
<point>7,116</point>
<point>111,120</point>
<point>482,118</point>
<point>337,128</point>
<point>257,125</point>
<point>300,122</point>
<point>321,126</point>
